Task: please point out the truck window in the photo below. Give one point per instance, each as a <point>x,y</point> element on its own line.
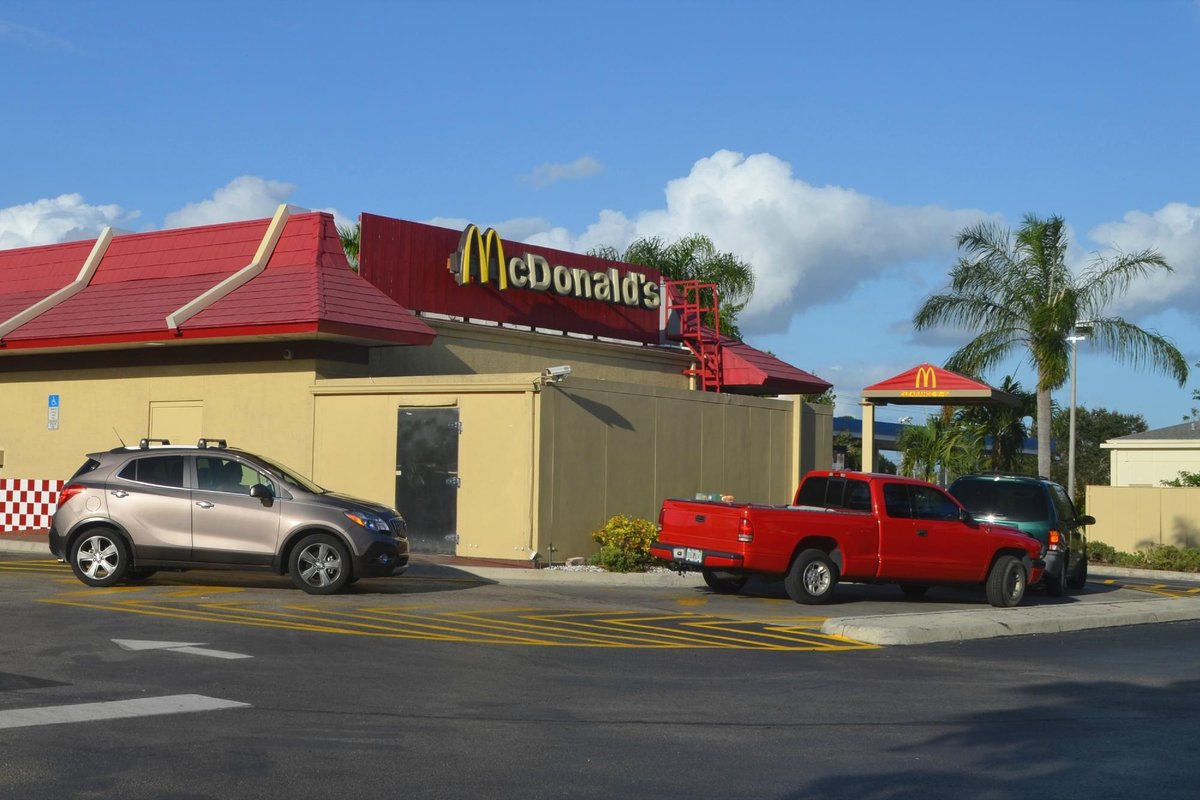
<point>929,503</point>
<point>858,496</point>
<point>896,500</point>
<point>812,492</point>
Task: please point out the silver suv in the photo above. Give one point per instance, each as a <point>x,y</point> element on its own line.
<point>128,512</point>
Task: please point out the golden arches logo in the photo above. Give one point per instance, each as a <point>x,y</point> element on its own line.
<point>479,254</point>
<point>926,378</point>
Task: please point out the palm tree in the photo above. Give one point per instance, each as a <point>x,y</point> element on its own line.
<point>694,258</point>
<point>1004,425</point>
<point>1015,291</point>
<point>351,236</point>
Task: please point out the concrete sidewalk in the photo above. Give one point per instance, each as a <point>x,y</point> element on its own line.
<point>883,629</point>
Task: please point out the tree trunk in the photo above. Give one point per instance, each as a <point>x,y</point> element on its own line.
<point>1043,431</point>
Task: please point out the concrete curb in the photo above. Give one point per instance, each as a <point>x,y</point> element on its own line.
<point>963,625</point>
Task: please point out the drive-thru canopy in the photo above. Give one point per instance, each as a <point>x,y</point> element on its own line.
<point>924,385</point>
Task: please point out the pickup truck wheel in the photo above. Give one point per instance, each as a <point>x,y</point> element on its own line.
<point>1006,582</point>
<point>1078,577</point>
<point>913,591</point>
<point>811,578</point>
<point>723,582</point>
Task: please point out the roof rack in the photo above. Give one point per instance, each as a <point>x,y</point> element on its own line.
<point>206,444</point>
<point>144,444</point>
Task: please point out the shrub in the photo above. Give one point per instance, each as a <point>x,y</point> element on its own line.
<point>1161,556</point>
<point>624,544</point>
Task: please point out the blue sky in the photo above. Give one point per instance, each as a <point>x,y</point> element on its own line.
<point>838,147</point>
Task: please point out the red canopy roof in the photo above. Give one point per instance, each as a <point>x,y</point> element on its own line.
<point>305,290</point>
<point>929,384</point>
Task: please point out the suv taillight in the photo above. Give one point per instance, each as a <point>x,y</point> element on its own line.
<point>1055,540</point>
<point>745,531</point>
<point>68,492</point>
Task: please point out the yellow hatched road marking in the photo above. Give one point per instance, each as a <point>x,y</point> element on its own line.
<point>524,626</point>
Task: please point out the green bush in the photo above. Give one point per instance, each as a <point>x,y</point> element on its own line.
<point>1161,556</point>
<point>624,544</point>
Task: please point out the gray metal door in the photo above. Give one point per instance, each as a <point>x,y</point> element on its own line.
<point>427,477</point>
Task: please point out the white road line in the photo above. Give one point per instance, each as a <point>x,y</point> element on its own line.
<point>192,648</point>
<point>116,709</point>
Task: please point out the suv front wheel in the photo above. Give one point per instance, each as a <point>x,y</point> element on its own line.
<point>320,564</point>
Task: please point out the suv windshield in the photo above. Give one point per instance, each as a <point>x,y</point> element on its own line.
<point>1018,502</point>
<point>290,478</point>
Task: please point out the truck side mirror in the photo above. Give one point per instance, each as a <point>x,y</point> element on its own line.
<point>965,517</point>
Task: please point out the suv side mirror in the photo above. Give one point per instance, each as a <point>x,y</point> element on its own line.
<point>965,517</point>
<point>261,491</point>
<point>1086,519</point>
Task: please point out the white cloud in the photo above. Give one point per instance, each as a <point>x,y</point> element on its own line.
<point>547,174</point>
<point>57,219</point>
<point>1173,230</point>
<point>31,37</point>
<point>809,245</point>
<point>245,197</point>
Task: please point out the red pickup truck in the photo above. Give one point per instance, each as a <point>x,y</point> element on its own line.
<point>849,526</point>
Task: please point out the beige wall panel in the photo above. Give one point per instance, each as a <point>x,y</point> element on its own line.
<point>1132,518</point>
<point>355,452</point>
<point>714,438</point>
<point>1151,467</point>
<point>816,439</point>
<point>647,445</point>
<point>180,422</point>
<point>473,349</point>
<point>354,445</point>
<point>1180,515</point>
<point>574,479</point>
<point>495,463</point>
<point>259,407</point>
<point>630,454</point>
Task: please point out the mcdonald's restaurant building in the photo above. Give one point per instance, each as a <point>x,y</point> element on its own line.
<point>507,398</point>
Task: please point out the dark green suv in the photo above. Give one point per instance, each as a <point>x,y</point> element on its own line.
<point>1041,508</point>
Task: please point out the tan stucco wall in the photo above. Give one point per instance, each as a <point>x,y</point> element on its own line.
<point>1151,463</point>
<point>1133,518</point>
<point>263,406</point>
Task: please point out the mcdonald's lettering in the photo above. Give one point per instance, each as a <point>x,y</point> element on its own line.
<point>926,378</point>
<point>481,255</point>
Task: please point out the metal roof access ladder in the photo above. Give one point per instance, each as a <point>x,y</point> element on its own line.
<point>689,302</point>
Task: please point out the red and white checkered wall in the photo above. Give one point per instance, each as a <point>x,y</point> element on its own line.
<point>27,504</point>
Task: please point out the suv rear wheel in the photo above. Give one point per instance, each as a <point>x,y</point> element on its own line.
<point>99,557</point>
<point>320,564</point>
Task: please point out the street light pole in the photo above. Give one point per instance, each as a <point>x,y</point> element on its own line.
<point>1074,339</point>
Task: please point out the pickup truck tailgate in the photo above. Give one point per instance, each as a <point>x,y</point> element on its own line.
<point>700,533</point>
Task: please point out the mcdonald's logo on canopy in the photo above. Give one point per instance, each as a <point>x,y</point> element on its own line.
<point>479,255</point>
<point>926,378</point>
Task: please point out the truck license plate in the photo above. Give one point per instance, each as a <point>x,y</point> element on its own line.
<point>691,555</point>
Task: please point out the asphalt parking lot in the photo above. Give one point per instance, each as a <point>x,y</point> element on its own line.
<point>761,617</point>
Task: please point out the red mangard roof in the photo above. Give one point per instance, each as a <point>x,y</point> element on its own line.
<point>747,370</point>
<point>305,290</point>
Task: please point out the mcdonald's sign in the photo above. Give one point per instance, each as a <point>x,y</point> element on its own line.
<point>926,378</point>
<point>480,256</point>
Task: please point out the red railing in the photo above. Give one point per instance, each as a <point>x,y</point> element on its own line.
<point>689,301</point>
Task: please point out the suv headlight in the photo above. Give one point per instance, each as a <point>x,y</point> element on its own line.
<point>371,522</point>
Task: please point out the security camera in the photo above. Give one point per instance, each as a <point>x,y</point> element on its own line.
<point>557,373</point>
